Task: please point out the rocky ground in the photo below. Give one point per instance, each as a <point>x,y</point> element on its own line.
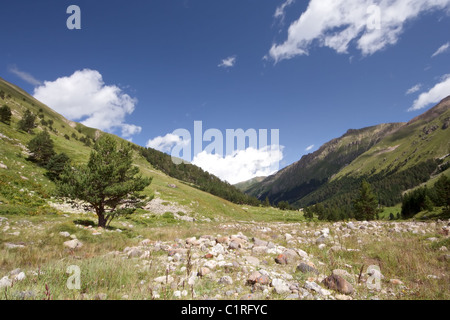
<point>248,260</point>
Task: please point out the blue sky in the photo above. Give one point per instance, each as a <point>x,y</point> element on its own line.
<point>311,69</point>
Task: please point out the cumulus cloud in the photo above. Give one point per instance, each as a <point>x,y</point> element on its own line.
<point>309,148</point>
<point>85,97</point>
<point>413,89</point>
<point>228,62</point>
<point>166,143</point>
<point>25,76</point>
<point>371,24</point>
<point>241,165</point>
<point>434,95</point>
<point>444,48</point>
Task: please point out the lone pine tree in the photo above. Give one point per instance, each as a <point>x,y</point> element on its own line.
<point>110,182</point>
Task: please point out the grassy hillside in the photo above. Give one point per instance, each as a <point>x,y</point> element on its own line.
<point>25,188</point>
<point>425,137</point>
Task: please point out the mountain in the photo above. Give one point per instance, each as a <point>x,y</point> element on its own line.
<point>393,157</point>
<point>313,170</point>
<point>245,185</point>
<point>24,187</point>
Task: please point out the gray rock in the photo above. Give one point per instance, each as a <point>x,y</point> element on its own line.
<point>73,244</point>
<point>321,239</point>
<point>305,268</point>
<point>259,250</point>
<point>259,242</point>
<point>280,286</point>
<point>64,234</point>
<point>5,282</point>
<point>252,260</point>
<point>13,246</point>
<point>226,280</point>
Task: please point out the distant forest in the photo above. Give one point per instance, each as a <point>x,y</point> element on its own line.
<point>197,177</point>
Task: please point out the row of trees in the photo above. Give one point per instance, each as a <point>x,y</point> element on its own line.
<point>363,207</point>
<point>427,198</point>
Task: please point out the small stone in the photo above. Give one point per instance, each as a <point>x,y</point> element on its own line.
<point>234,245</point>
<point>15,272</point>
<point>321,239</point>
<point>226,280</point>
<point>134,252</point>
<point>281,259</point>
<point>259,250</point>
<point>64,234</point>
<point>259,242</point>
<point>73,244</point>
<point>21,276</point>
<point>203,271</point>
<point>305,268</point>
<point>13,246</point>
<point>164,279</point>
<point>395,282</point>
<point>257,277</point>
<point>281,287</point>
<point>252,260</point>
<point>343,297</point>
<point>5,282</point>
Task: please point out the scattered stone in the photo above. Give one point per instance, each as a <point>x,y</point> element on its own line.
<point>320,240</point>
<point>257,278</point>
<point>395,282</point>
<point>164,279</point>
<point>13,245</point>
<point>234,245</point>
<point>305,268</point>
<point>134,252</point>
<point>281,287</point>
<point>226,280</point>
<point>19,277</point>
<point>203,271</point>
<point>259,250</point>
<point>343,297</point>
<point>252,260</point>
<point>259,242</point>
<point>64,234</point>
<point>5,282</point>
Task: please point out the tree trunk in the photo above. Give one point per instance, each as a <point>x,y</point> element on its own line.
<point>101,219</point>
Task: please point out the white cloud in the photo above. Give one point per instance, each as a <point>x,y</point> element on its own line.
<point>129,130</point>
<point>281,10</point>
<point>309,148</point>
<point>444,48</point>
<point>228,62</point>
<point>434,95</point>
<point>166,143</point>
<point>371,24</point>
<point>83,96</point>
<point>242,165</point>
<point>25,76</point>
<point>413,89</point>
